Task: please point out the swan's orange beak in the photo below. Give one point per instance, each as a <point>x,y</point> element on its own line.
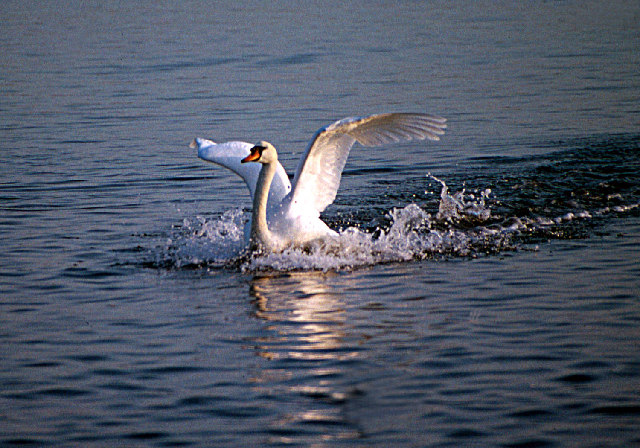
<point>254,156</point>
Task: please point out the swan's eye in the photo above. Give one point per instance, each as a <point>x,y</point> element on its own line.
<point>259,149</point>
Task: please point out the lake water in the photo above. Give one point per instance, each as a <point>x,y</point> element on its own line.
<point>512,319</point>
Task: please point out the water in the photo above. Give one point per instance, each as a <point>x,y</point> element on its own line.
<point>500,311</point>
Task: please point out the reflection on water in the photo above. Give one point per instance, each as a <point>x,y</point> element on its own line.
<point>309,312</point>
<point>307,320</point>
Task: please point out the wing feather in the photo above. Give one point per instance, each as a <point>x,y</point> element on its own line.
<point>318,176</point>
<point>230,154</point>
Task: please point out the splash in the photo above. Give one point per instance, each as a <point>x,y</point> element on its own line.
<point>412,234</point>
<point>457,207</point>
<point>203,243</point>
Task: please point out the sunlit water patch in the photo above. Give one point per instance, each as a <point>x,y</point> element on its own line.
<point>515,204</point>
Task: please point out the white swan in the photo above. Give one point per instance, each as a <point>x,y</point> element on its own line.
<point>285,215</point>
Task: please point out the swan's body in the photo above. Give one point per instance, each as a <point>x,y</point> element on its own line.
<point>285,214</point>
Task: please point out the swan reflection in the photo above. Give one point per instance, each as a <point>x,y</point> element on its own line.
<point>307,316</point>
<point>307,346</point>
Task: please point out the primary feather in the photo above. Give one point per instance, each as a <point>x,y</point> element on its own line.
<point>319,173</point>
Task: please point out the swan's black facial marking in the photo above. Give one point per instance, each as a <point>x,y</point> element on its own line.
<point>259,148</point>
<point>255,154</point>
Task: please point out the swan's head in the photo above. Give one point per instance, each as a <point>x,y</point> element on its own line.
<point>263,152</point>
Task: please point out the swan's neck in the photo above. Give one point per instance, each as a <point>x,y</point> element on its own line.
<point>261,237</point>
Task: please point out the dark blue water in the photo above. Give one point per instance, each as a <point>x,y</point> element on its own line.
<point>127,319</point>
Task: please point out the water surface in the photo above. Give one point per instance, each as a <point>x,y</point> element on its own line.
<point>127,320</point>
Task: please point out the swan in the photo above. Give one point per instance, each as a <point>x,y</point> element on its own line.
<point>286,214</point>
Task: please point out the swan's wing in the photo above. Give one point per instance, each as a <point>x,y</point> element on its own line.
<point>230,154</point>
<point>317,178</point>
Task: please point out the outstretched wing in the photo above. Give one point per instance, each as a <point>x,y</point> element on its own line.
<point>318,176</point>
<point>230,154</point>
